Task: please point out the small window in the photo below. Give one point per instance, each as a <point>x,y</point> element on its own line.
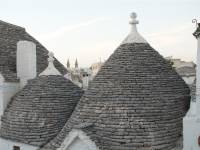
<point>16,148</point>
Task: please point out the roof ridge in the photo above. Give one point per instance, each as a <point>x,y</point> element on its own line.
<point>13,25</point>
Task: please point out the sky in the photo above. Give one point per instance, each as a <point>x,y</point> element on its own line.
<point>90,30</point>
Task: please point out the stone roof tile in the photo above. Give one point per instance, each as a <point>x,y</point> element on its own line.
<point>137,100</point>
<point>39,111</point>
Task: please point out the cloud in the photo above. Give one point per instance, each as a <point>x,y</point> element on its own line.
<point>68,28</point>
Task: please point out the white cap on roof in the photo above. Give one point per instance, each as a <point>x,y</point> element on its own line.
<point>50,70</point>
<point>134,36</point>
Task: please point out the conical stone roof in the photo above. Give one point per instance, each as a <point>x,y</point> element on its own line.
<point>136,102</point>
<point>9,36</point>
<point>39,111</point>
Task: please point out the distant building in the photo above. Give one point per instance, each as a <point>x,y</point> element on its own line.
<point>95,67</point>
<point>178,63</point>
<point>187,70</point>
<point>79,76</point>
<point>68,64</point>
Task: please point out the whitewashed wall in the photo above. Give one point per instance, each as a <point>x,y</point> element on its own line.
<point>8,145</point>
<point>1,94</point>
<point>78,144</point>
<point>7,90</point>
<point>189,80</point>
<point>191,130</point>
<point>191,122</point>
<point>77,140</point>
<point>85,82</point>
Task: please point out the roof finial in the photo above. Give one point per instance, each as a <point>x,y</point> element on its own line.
<point>197,32</point>
<point>50,70</point>
<point>134,36</point>
<point>133,19</point>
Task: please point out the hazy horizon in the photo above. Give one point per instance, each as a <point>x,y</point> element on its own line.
<point>91,30</point>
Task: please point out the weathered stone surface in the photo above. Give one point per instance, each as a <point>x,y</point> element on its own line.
<point>9,36</point>
<point>136,102</point>
<point>39,111</point>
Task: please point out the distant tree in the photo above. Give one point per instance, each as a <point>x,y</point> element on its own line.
<point>171,63</point>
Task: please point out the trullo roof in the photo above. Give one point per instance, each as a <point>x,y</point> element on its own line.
<point>136,101</point>
<point>39,111</point>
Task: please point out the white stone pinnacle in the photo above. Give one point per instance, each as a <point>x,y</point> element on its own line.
<point>50,70</point>
<point>134,36</point>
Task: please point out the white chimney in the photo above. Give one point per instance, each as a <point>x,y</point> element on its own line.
<point>85,80</point>
<point>191,122</point>
<point>26,61</point>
